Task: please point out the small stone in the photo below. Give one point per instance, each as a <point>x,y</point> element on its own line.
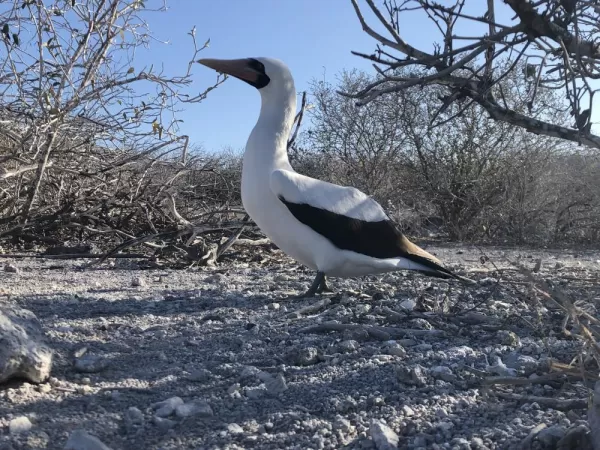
<point>44,388</point>
<point>167,407</point>
<point>477,443</point>
<point>343,425</point>
<point>443,373</point>
<point>306,356</point>
<point>408,305</point>
<point>383,436</point>
<point>249,372</point>
<point>89,363</point>
<point>423,347</point>
<point>348,346</point>
<point>362,309</point>
<point>396,350</point>
<point>274,306</point>
<point>509,338</point>
<point>19,424</point>
<point>254,393</point>
<point>233,388</point>
<point>407,411</point>
<point>162,424</point>
<point>199,375</point>
<point>84,389</point>
<point>276,385</point>
<point>550,436</point>
<point>234,428</point>
<point>137,282</point>
<point>86,380</point>
<point>11,268</point>
<point>195,408</point>
<point>416,375</point>
<point>134,416</point>
<point>82,440</point>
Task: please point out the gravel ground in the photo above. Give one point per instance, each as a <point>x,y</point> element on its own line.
<point>220,358</point>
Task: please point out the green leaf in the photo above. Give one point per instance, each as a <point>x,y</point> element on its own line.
<point>131,70</point>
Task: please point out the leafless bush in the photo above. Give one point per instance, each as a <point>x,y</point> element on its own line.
<point>551,42</point>
<point>88,140</point>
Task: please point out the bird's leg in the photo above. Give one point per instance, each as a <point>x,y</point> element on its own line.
<point>324,287</point>
<point>315,287</point>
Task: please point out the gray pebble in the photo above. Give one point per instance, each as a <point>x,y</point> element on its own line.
<point>416,375</point>
<point>195,408</point>
<point>549,437</point>
<point>396,350</point>
<point>167,407</point>
<point>305,356</point>
<point>199,375</point>
<point>137,282</point>
<point>163,424</point>
<point>343,425</point>
<point>11,268</point>
<point>443,373</point>
<point>89,363</point>
<point>276,385</point>
<point>348,346</point>
<point>82,440</point>
<point>134,416</point>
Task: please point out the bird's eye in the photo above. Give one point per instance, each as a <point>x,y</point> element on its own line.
<point>257,65</point>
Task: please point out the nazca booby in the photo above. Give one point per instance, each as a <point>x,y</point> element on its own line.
<point>334,230</point>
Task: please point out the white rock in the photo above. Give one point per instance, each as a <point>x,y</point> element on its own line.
<point>82,440</point>
<point>23,352</point>
<point>408,305</point>
<point>383,436</point>
<point>234,428</point>
<point>19,425</point>
<point>408,411</point>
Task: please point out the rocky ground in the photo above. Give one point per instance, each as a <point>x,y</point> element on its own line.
<point>222,358</point>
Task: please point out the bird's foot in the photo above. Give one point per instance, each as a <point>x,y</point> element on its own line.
<point>318,286</point>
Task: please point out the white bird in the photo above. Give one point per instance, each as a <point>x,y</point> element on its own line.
<point>334,230</point>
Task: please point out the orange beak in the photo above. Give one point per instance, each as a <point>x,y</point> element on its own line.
<point>239,68</point>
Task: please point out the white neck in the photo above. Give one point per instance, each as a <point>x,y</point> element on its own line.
<point>267,143</point>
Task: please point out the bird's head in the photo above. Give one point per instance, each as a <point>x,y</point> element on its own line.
<point>264,74</point>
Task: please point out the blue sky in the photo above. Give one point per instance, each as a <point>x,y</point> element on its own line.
<point>313,37</point>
